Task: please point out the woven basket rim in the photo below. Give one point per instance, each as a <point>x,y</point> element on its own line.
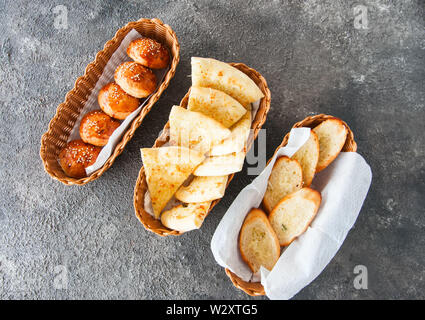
<point>174,50</point>
<point>255,288</point>
<point>256,125</point>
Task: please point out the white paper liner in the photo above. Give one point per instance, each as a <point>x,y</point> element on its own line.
<point>343,186</point>
<point>118,57</point>
<point>173,201</point>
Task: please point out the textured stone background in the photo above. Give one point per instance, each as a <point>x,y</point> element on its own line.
<point>314,61</point>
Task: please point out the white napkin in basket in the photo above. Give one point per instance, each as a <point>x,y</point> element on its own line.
<point>343,185</point>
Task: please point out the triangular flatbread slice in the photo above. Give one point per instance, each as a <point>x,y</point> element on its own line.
<point>221,165</point>
<point>237,139</point>
<point>166,169</point>
<point>202,189</point>
<point>215,104</point>
<point>195,130</point>
<point>222,76</point>
<point>185,218</point>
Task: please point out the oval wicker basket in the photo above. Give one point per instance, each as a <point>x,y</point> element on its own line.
<point>154,225</point>
<point>255,288</point>
<point>67,112</point>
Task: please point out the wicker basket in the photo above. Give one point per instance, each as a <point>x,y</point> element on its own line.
<point>154,225</point>
<point>67,112</point>
<point>255,288</point>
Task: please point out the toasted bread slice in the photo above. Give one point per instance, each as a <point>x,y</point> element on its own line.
<point>195,130</point>
<point>166,169</point>
<point>221,165</point>
<point>294,213</point>
<point>258,243</point>
<point>286,177</point>
<point>185,218</point>
<point>202,189</point>
<point>215,104</point>
<point>308,156</point>
<point>236,142</point>
<point>332,134</point>
<point>210,73</point>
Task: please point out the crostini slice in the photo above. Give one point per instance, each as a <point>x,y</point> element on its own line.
<point>332,134</point>
<point>308,156</point>
<point>258,243</point>
<point>286,177</point>
<point>294,213</point>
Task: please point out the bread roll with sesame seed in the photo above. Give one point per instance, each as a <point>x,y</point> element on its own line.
<point>76,157</point>
<point>115,102</point>
<point>96,127</point>
<point>135,79</point>
<point>149,53</point>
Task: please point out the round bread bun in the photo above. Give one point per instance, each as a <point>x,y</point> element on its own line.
<point>76,157</point>
<point>115,102</point>
<point>96,127</point>
<point>135,79</point>
<point>149,53</point>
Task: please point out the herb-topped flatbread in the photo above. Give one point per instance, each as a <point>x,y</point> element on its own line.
<point>221,76</point>
<point>166,169</point>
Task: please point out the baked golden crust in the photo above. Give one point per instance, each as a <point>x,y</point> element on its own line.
<point>308,156</point>
<point>166,169</point>
<point>286,177</point>
<point>135,79</point>
<point>332,134</point>
<point>76,157</point>
<point>292,216</point>
<point>149,53</point>
<point>258,243</point>
<point>115,102</point>
<point>96,127</point>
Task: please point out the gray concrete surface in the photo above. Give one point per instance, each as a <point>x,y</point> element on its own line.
<point>314,60</point>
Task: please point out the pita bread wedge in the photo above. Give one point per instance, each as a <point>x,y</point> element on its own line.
<point>258,243</point>
<point>308,156</point>
<point>332,134</point>
<point>202,189</point>
<point>215,104</point>
<point>236,142</point>
<point>166,169</point>
<point>286,177</point>
<point>195,130</point>
<point>294,213</point>
<point>221,165</point>
<point>222,76</point>
<point>185,217</point>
